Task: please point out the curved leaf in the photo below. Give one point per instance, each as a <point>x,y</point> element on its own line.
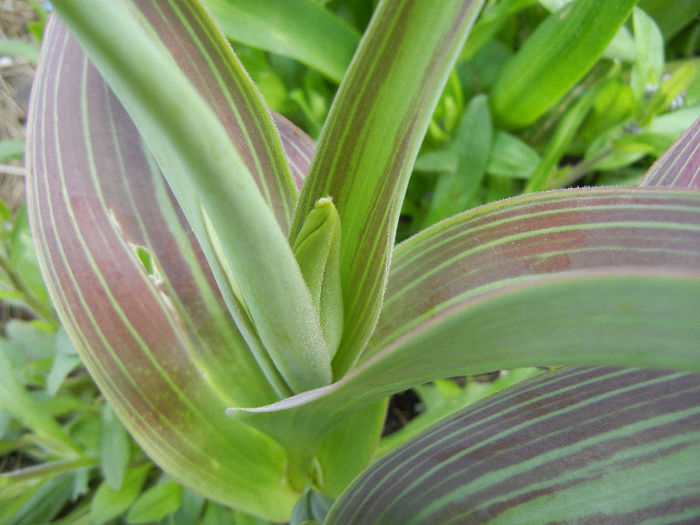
<point>532,235</point>
<point>133,289</point>
<point>231,219</point>
<point>371,139</point>
<point>577,445</point>
<point>300,29</point>
<point>679,167</point>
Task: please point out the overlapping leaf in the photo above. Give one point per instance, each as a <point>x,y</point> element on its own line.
<point>370,141</point>
<point>134,290</point>
<point>618,263</point>
<point>223,203</point>
<point>584,445</point>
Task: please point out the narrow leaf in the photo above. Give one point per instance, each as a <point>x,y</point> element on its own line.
<point>556,56</point>
<point>577,445</point>
<point>371,139</point>
<point>300,29</point>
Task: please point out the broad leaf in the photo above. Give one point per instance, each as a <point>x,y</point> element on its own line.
<point>132,287</point>
<point>577,445</point>
<point>224,205</point>
<point>300,29</point>
<point>371,139</point>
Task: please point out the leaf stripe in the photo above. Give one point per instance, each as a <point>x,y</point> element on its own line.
<point>606,423</point>
<point>679,167</point>
<point>535,235</point>
<point>85,257</point>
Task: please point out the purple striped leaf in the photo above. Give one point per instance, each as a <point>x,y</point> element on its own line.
<point>577,445</point>
<point>134,290</point>
<point>679,167</point>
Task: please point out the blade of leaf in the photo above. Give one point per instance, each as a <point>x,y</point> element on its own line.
<point>679,167</point>
<point>371,139</point>
<point>209,180</point>
<point>102,216</point>
<point>300,29</point>
<point>556,56</point>
<point>576,445</point>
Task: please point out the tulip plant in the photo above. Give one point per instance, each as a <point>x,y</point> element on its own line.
<point>235,291</point>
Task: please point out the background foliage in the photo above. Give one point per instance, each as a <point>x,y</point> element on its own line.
<point>64,456</point>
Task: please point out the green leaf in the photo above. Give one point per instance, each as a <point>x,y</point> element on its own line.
<point>11,149</point>
<point>156,503</point>
<point>23,48</point>
<point>300,29</point>
<point>576,445</point>
<point>670,15</point>
<point>207,172</point>
<point>511,157</point>
<point>108,503</point>
<point>317,250</point>
<point>370,141</point>
<point>456,192</point>
<point>649,65</point>
<point>44,502</point>
<point>556,56</point>
<point>17,401</point>
<point>114,448</point>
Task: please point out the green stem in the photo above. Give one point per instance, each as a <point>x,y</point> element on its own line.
<point>32,301</point>
<point>47,470</point>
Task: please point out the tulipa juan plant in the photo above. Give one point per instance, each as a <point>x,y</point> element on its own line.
<point>235,291</point>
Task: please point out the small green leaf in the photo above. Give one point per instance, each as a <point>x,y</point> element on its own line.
<point>11,148</point>
<point>556,56</point>
<point>511,157</point>
<point>317,250</point>
<point>649,65</point>
<point>16,47</point>
<point>156,503</point>
<point>109,503</point>
<point>456,192</point>
<point>114,448</point>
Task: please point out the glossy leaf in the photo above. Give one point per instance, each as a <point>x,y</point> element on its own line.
<point>300,29</point>
<point>576,445</point>
<point>556,56</point>
<point>370,140</point>
<point>221,200</point>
